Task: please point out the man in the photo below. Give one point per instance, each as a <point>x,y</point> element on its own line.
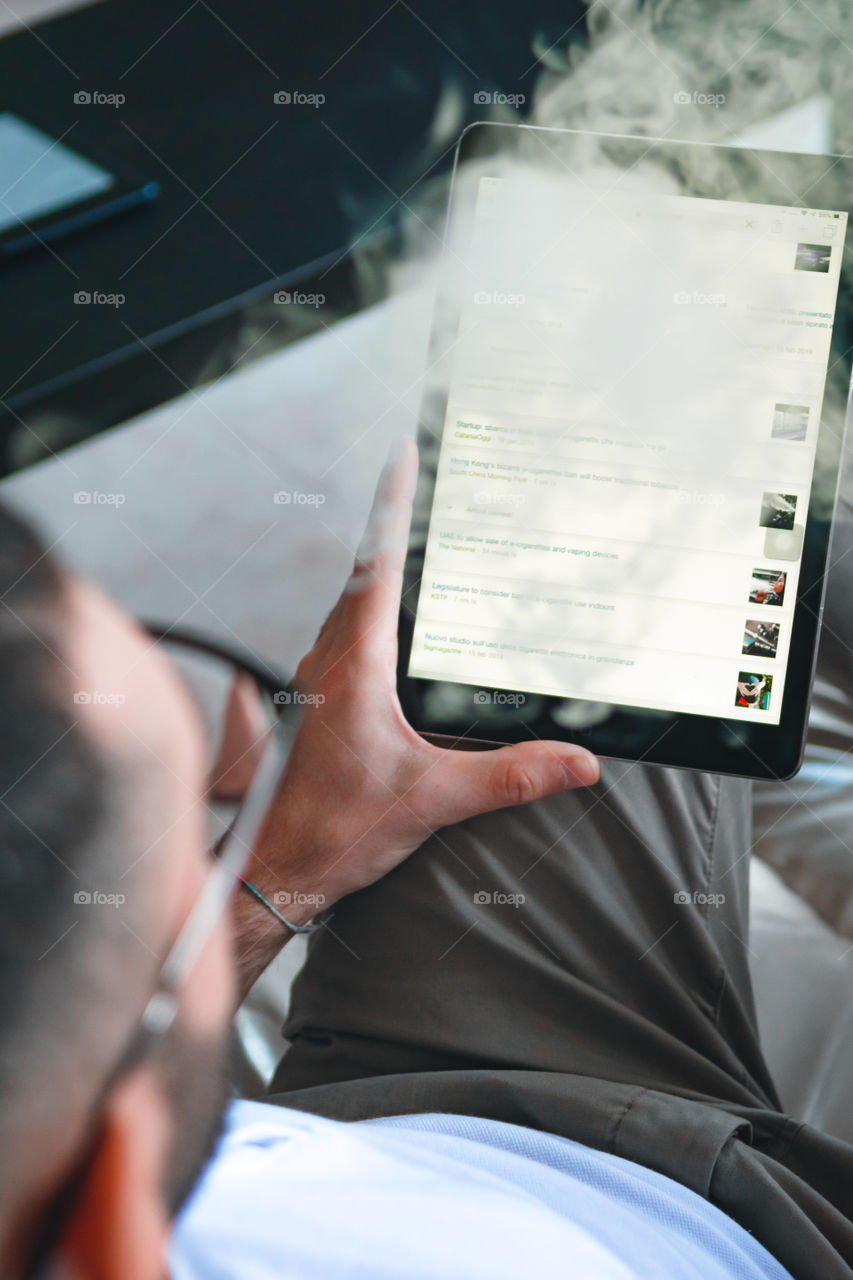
<point>562,1079</point>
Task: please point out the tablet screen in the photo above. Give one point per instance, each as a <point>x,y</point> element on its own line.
<point>40,174</point>
<point>628,450</point>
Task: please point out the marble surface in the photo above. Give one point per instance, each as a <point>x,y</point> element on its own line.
<point>237,509</point>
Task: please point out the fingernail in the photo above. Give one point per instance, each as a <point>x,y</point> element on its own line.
<point>583,768</point>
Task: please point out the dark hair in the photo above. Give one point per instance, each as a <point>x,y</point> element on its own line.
<point>73,976</point>
<point>57,795</point>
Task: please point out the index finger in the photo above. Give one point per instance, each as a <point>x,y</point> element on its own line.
<point>381,553</point>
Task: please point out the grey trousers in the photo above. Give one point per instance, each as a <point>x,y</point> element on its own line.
<point>578,965</point>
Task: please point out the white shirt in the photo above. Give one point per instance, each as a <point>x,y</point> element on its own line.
<point>291,1195</point>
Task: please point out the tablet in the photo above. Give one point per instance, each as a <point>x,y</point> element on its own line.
<point>50,187</point>
<point>630,448</point>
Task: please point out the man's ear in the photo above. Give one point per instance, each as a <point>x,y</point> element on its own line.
<point>119,1226</point>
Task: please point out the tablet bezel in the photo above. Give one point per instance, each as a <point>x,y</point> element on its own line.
<point>679,739</point>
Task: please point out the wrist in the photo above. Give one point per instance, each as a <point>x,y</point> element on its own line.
<point>294,911</point>
<point>262,929</point>
<point>299,905</point>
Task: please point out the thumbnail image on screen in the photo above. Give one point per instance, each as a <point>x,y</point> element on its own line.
<point>813,257</point>
<point>767,587</point>
<point>790,422</point>
<point>753,691</point>
<point>760,639</point>
<point>778,510</point>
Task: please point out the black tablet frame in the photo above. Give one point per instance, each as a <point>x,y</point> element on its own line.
<point>687,740</point>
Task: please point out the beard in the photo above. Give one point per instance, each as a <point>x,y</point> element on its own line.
<point>193,1072</point>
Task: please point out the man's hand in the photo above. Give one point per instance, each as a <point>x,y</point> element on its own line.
<point>362,790</point>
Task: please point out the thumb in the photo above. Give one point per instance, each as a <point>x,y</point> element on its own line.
<point>479,781</point>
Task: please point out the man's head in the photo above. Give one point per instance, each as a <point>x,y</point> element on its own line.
<point>102,856</point>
